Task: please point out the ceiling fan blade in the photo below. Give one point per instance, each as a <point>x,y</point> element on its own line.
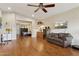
<point>36,10</point>
<point>44,10</point>
<point>51,5</point>
<point>32,5</point>
<point>41,4</point>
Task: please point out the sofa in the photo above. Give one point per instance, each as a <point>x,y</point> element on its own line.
<point>61,39</point>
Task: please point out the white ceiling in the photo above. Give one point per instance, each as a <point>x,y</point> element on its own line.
<point>23,9</point>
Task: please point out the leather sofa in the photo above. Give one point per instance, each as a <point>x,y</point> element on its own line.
<point>61,39</point>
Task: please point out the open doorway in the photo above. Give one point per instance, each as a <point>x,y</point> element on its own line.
<point>24,28</point>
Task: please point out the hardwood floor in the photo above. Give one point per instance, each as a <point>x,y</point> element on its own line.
<point>28,46</point>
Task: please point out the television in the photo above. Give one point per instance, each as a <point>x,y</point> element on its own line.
<point>22,30</point>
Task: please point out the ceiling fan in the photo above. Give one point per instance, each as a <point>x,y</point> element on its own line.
<point>41,6</point>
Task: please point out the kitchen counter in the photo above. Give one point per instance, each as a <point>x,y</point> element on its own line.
<point>6,37</point>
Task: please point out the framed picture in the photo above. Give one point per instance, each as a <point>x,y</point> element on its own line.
<point>61,25</point>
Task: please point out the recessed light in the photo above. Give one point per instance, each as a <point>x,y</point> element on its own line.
<point>61,24</point>
<point>32,15</point>
<point>9,8</point>
<point>56,25</point>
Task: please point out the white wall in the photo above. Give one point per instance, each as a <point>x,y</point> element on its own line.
<point>0,13</point>
<point>34,29</point>
<point>0,28</point>
<point>10,19</point>
<point>72,16</point>
<point>19,17</point>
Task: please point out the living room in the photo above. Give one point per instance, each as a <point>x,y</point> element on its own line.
<point>23,31</point>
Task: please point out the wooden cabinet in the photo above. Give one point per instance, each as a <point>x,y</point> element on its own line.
<point>40,35</point>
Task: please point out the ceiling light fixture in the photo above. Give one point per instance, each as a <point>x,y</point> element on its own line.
<point>61,24</point>
<point>9,8</point>
<point>56,25</point>
<point>33,15</point>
